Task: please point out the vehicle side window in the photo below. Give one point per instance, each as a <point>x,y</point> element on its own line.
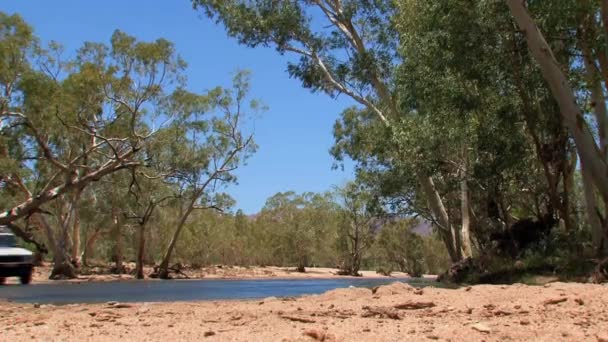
<point>7,240</point>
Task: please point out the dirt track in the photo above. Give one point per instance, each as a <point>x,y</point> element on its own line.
<point>397,312</point>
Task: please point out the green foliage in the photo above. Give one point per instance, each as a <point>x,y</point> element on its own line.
<point>401,249</point>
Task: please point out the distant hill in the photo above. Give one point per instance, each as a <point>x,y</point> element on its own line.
<point>424,228</point>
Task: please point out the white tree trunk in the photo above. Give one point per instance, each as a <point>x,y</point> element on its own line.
<point>76,232</point>
<point>571,114</point>
<point>440,214</point>
<point>465,207</point>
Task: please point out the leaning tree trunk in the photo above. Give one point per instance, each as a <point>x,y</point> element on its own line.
<point>163,270</point>
<point>599,231</point>
<point>599,225</point>
<point>571,114</point>
<point>440,214</point>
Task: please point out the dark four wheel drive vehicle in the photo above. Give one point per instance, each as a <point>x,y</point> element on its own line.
<point>14,261</point>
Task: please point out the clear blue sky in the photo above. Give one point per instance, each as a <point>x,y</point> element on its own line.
<point>294,135</point>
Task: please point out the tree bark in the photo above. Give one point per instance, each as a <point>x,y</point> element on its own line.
<point>598,231</point>
<point>467,250</point>
<point>62,268</point>
<point>76,234</point>
<point>90,244</point>
<point>440,214</point>
<point>33,203</point>
<point>118,252</point>
<point>27,236</point>
<point>571,114</point>
<point>163,272</point>
<point>598,98</point>
<point>139,266</point>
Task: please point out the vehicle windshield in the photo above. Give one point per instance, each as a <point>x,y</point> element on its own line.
<point>7,240</point>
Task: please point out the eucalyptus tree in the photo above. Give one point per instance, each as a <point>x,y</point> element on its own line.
<point>572,117</point>
<point>356,228</point>
<point>207,142</point>
<point>69,123</point>
<point>576,83</point>
<point>343,47</point>
<point>399,247</point>
<point>301,225</point>
<point>148,193</point>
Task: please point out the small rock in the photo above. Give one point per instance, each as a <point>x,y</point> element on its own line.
<point>209,333</point>
<point>143,311</point>
<point>554,301</point>
<point>524,322</point>
<point>37,306</point>
<point>602,338</point>
<point>579,301</point>
<point>319,335</point>
<point>419,292</point>
<point>468,288</point>
<point>432,337</point>
<point>482,328</point>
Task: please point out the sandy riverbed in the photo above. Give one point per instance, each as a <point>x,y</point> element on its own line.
<point>397,312</point>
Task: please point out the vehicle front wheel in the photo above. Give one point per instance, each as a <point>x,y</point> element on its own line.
<point>26,278</point>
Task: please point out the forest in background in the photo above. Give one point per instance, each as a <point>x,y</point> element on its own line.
<point>486,118</point>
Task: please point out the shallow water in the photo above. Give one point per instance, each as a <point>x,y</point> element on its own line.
<point>184,290</point>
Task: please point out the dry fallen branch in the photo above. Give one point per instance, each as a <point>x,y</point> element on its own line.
<point>378,311</point>
<point>554,301</point>
<point>414,305</point>
<point>298,319</point>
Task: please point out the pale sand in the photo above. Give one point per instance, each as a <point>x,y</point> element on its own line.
<point>554,312</point>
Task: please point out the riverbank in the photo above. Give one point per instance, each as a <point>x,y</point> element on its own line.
<point>556,311</point>
<point>41,273</point>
